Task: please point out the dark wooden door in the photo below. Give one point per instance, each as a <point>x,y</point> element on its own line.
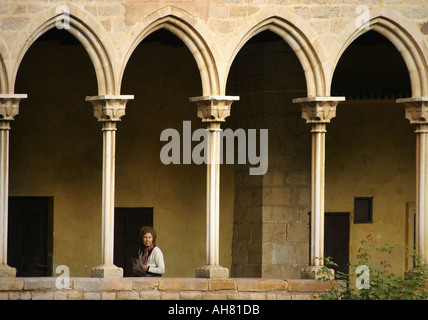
<point>127,225</point>
<point>28,235</point>
<point>336,239</point>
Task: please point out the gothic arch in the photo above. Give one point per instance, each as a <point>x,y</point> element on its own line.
<point>3,76</point>
<point>4,84</point>
<point>405,44</point>
<point>77,23</point>
<point>299,43</point>
<point>171,19</point>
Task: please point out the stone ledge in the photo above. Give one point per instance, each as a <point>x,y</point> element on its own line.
<point>118,284</point>
<point>86,284</point>
<point>261,284</point>
<point>308,285</point>
<point>222,284</point>
<point>145,284</point>
<point>39,283</point>
<point>10,284</point>
<point>182,284</point>
<point>44,288</point>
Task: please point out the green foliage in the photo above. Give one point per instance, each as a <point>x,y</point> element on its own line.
<point>365,281</point>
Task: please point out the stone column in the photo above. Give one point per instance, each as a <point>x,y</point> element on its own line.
<point>416,111</point>
<point>9,108</point>
<point>318,111</point>
<point>108,109</point>
<point>213,110</point>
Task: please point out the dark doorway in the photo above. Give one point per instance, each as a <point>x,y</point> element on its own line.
<point>127,225</point>
<point>336,239</point>
<point>29,235</point>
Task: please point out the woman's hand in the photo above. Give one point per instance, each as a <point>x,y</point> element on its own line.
<point>139,273</point>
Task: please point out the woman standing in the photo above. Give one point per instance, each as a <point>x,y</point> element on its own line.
<point>151,256</point>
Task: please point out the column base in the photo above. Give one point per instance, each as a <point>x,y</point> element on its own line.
<point>316,272</point>
<point>212,271</point>
<point>7,272</point>
<point>107,271</point>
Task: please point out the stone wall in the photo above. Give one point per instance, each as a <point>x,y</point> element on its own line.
<point>270,236</point>
<point>159,289</point>
<point>219,27</point>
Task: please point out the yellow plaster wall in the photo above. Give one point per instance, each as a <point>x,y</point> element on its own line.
<point>55,150</point>
<point>370,152</point>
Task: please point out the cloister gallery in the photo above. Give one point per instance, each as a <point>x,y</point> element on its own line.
<point>335,92</point>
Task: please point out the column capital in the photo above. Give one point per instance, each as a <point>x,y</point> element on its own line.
<point>109,107</point>
<point>9,105</point>
<point>214,108</point>
<point>416,109</point>
<point>318,109</point>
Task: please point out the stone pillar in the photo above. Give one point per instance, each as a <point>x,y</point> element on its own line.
<point>416,111</point>
<point>318,111</point>
<point>9,108</point>
<point>108,109</point>
<point>213,110</point>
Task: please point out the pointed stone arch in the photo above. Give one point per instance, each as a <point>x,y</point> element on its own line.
<point>404,43</point>
<point>83,27</point>
<point>3,77</point>
<point>171,19</point>
<point>298,42</point>
<point>4,83</point>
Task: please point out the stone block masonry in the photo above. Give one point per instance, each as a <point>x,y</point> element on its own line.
<point>264,218</point>
<point>45,288</point>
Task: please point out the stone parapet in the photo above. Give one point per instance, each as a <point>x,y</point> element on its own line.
<point>45,288</point>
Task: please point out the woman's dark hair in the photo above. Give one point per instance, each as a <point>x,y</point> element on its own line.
<point>148,229</point>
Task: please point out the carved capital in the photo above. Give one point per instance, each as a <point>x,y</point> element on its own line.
<point>9,105</point>
<point>318,109</point>
<point>416,109</point>
<point>109,107</point>
<point>214,108</point>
